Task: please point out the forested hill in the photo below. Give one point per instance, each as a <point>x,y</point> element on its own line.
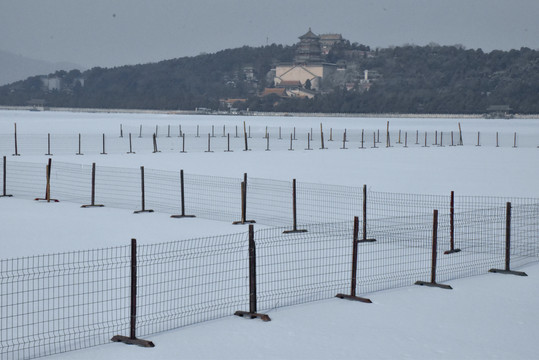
<point>409,79</point>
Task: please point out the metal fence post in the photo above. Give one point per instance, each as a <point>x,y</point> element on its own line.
<point>294,212</point>
<point>245,136</point>
<point>4,175</point>
<point>353,282</point>
<point>16,148</point>
<point>244,204</point>
<point>434,256</point>
<point>228,143</point>
<point>252,313</point>
<point>452,226</point>
<point>182,197</point>
<point>155,144</point>
<point>143,197</point>
<point>183,143</point>
<point>507,269</point>
<point>79,153</point>
<point>322,138</point>
<point>130,145</point>
<point>93,204</point>
<point>104,152</point>
<point>47,197</point>
<point>364,239</point>
<point>132,339</point>
<point>48,145</point>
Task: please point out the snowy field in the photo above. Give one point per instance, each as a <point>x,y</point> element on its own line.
<point>490,316</point>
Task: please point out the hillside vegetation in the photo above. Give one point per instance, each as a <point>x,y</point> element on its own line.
<point>410,79</point>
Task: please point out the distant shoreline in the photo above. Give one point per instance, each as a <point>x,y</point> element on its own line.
<point>259,113</point>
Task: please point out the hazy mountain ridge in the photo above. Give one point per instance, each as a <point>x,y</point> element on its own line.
<point>17,67</point>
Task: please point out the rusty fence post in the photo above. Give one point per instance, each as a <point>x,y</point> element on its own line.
<point>93,204</point>
<point>353,282</point>
<point>182,198</point>
<point>244,204</point>
<point>294,212</point>
<point>452,226</point>
<point>252,313</point>
<point>507,269</point>
<point>4,182</point>
<point>47,197</point>
<point>432,282</point>
<point>143,193</point>
<point>132,339</point>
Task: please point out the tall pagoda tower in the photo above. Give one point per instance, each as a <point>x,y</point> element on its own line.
<point>308,49</point>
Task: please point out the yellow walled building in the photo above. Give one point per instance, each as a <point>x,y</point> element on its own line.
<point>308,65</point>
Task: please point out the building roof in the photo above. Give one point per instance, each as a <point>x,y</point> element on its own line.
<point>309,35</point>
<point>330,37</point>
<point>277,91</point>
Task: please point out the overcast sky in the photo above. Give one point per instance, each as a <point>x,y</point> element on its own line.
<point>119,32</point>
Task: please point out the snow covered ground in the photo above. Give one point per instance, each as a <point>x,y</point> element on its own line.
<point>490,316</point>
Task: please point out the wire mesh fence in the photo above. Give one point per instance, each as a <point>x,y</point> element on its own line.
<point>62,302</point>
<point>269,202</point>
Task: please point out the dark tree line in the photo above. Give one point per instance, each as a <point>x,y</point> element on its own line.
<point>412,79</point>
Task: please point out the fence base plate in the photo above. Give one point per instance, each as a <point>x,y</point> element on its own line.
<point>510,272</point>
<point>6,195</point>
<point>141,211</point>
<point>242,222</point>
<point>447,252</point>
<point>135,341</point>
<point>92,205</point>
<point>354,298</point>
<point>247,314</point>
<point>294,231</point>
<point>182,216</point>
<point>47,200</point>
<point>433,284</point>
